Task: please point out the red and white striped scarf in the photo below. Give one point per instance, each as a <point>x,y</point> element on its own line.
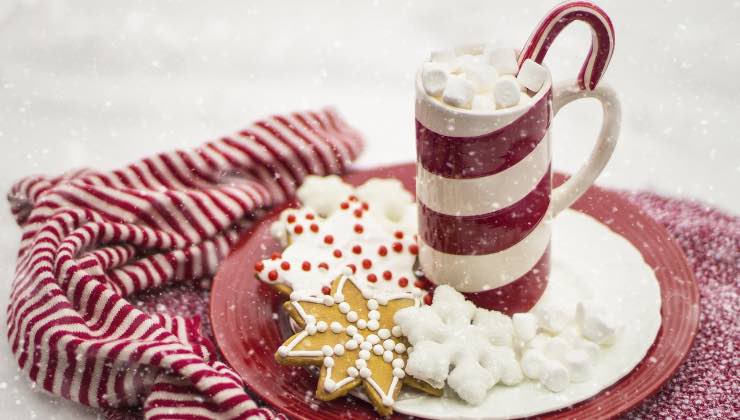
<point>90,238</point>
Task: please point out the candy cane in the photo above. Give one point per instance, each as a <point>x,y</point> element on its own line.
<point>602,39</point>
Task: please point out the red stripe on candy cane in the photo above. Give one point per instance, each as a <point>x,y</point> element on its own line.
<point>602,39</point>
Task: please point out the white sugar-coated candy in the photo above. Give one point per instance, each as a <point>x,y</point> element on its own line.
<point>351,330</point>
<point>504,59</point>
<point>384,333</point>
<point>360,363</point>
<point>553,319</point>
<point>321,326</point>
<point>594,324</point>
<point>483,76</point>
<point>374,315</point>
<point>389,344</point>
<point>483,102</point>
<point>396,331</point>
<point>554,376</point>
<point>352,371</point>
<point>327,350</point>
<point>372,304</point>
<point>556,348</point>
<point>506,91</point>
<point>578,364</point>
<point>434,78</point>
<point>532,75</point>
<point>344,307</point>
<point>328,362</point>
<point>365,373</point>
<point>338,349</point>
<point>525,326</point>
<point>443,56</point>
<point>459,92</point>
<point>387,356</point>
<point>364,354</point>
<point>399,373</point>
<point>532,363</point>
<point>378,349</point>
<point>373,339</point>
<point>366,345</point>
<point>373,325</point>
<point>351,345</point>
<point>398,363</point>
<point>336,327</point>
<point>361,324</point>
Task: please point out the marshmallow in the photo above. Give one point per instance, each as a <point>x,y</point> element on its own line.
<point>532,363</point>
<point>459,92</point>
<point>578,363</point>
<point>483,76</point>
<point>434,78</point>
<point>504,59</point>
<point>591,348</point>
<point>539,341</point>
<point>553,319</point>
<point>594,324</point>
<point>443,56</point>
<point>532,75</point>
<point>464,61</point>
<point>525,326</point>
<point>556,348</point>
<point>483,102</point>
<point>554,376</point>
<point>506,91</point>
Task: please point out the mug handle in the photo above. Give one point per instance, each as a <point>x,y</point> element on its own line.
<point>565,93</point>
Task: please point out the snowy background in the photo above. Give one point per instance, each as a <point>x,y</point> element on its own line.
<point>91,83</point>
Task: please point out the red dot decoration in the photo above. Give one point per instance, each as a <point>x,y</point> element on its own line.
<point>306,266</point>
<point>275,256</point>
<point>272,275</point>
<point>398,234</point>
<point>366,264</point>
<point>358,213</point>
<point>365,206</point>
<point>298,229</point>
<point>359,228</point>
<point>352,198</point>
<point>403,282</point>
<point>387,275</point>
<point>314,227</point>
<point>326,290</point>
<point>259,266</point>
<point>285,265</point>
<point>328,239</point>
<point>352,267</point>
<point>323,265</point>
<point>397,246</point>
<point>382,251</point>
<point>428,299</point>
<point>337,253</point>
<point>344,205</point>
<point>357,249</point>
<point>372,278</point>
<point>414,249</point>
<point>291,218</point>
<point>310,216</point>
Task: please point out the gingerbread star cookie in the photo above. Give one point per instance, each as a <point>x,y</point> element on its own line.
<point>351,335</point>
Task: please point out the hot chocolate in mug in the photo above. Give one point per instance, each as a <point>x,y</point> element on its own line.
<point>484,179</point>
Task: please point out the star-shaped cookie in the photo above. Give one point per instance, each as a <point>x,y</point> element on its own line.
<point>354,340</point>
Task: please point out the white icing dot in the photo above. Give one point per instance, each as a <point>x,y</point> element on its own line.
<point>364,355</point>
<point>361,324</point>
<point>352,316</point>
<point>350,345</point>
<point>400,348</point>
<point>366,345</point>
<point>389,344</point>
<point>321,326</point>
<point>374,315</point>
<point>373,325</point>
<point>328,362</point>
<point>384,333</point>
<point>399,373</point>
<point>338,297</point>
<point>329,385</point>
<point>328,300</point>
<point>327,350</point>
<point>387,356</point>
<point>336,327</point>
<point>365,373</point>
<point>387,401</point>
<point>373,339</point>
<point>396,331</point>
<point>339,349</point>
<point>344,307</point>
<point>311,329</point>
<point>372,304</point>
<point>378,349</point>
<point>310,319</point>
<point>283,351</point>
<point>382,300</point>
<point>352,371</point>
<point>398,363</point>
<point>347,272</point>
<point>360,363</point>
<point>351,330</point>
<point>358,338</point>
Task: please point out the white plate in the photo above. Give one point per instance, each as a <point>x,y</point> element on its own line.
<point>589,261</point>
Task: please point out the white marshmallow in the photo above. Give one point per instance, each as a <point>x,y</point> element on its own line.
<point>483,76</point>
<point>556,348</point>
<point>464,61</point>
<point>443,56</point>
<point>484,102</point>
<point>525,324</point>
<point>553,319</point>
<point>506,91</point>
<point>594,324</point>
<point>504,59</point>
<point>434,77</point>
<point>532,363</point>
<point>459,92</point>
<point>591,348</point>
<point>532,75</point>
<point>539,341</point>
<point>578,364</point>
<point>554,376</point>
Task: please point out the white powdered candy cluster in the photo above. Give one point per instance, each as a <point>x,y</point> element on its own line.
<point>471,349</point>
<point>484,80</point>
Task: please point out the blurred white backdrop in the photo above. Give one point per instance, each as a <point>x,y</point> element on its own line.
<point>101,83</point>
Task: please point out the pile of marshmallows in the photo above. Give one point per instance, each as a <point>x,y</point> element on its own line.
<point>557,349</point>
<point>486,81</point>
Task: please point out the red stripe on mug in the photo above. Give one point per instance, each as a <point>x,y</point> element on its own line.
<point>486,233</point>
<point>488,154</point>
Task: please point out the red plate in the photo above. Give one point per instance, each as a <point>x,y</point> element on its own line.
<point>249,325</point>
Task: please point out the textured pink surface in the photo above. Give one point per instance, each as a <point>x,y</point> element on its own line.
<point>707,385</point>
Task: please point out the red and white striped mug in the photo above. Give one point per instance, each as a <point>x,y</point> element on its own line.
<point>484,178</point>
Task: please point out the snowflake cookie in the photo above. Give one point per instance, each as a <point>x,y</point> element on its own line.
<point>455,342</point>
<point>345,234</point>
<point>352,337</point>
